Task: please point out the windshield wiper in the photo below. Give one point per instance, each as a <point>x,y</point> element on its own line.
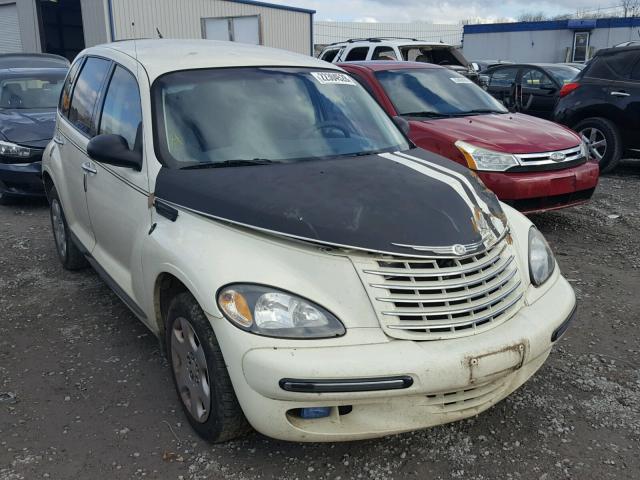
<point>230,163</point>
<point>477,111</point>
<point>426,114</point>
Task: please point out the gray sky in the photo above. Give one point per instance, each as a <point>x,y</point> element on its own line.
<point>437,11</point>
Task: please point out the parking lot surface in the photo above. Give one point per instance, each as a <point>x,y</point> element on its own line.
<point>85,392</point>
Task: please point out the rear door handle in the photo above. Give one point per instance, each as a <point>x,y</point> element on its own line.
<point>620,94</point>
<point>58,140</point>
<point>86,166</point>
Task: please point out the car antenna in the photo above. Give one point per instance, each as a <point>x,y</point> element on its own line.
<point>159,34</point>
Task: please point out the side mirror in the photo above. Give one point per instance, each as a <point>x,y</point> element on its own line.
<point>402,124</point>
<point>475,66</point>
<point>113,150</point>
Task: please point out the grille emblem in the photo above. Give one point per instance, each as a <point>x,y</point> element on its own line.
<point>557,156</point>
<point>459,249</point>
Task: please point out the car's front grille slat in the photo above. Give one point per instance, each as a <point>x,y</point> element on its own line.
<point>436,298</point>
<point>546,158</point>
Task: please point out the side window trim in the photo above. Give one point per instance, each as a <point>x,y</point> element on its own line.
<point>100,100</point>
<point>80,64</point>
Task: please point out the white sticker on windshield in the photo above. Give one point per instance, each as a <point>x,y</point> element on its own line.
<point>460,80</point>
<point>333,78</point>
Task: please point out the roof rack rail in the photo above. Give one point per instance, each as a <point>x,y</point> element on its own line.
<point>375,39</point>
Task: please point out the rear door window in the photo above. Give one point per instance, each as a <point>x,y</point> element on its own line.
<point>384,53</point>
<point>86,92</point>
<point>622,63</point>
<point>330,55</point>
<point>357,54</point>
<point>503,77</point>
<point>536,79</point>
<point>122,113</point>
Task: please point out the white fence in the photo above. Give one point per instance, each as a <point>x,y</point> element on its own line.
<point>330,32</point>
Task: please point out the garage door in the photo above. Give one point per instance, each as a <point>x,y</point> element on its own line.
<point>9,32</point>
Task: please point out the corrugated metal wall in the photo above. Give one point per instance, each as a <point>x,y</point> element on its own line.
<point>331,32</point>
<point>289,30</point>
<point>95,22</point>
<point>10,41</point>
<point>27,25</point>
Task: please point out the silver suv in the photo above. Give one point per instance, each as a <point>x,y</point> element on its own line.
<point>399,49</point>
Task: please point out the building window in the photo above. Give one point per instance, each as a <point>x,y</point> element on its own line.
<point>580,46</point>
<point>233,29</point>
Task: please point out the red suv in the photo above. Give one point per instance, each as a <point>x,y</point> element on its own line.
<point>530,163</point>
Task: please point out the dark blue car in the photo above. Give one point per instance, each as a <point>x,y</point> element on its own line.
<point>29,91</point>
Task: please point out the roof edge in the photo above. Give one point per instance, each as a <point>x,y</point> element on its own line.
<point>274,5</point>
<point>612,22</point>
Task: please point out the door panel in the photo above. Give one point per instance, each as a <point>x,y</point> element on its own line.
<point>502,83</point>
<point>537,93</point>
<point>72,138</point>
<point>117,197</point>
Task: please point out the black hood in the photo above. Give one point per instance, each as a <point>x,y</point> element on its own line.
<point>409,203</point>
<point>31,128</point>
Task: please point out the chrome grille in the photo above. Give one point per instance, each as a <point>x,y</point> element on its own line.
<point>546,158</point>
<point>435,298</point>
<point>470,397</point>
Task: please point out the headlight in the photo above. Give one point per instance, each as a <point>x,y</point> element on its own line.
<point>486,160</point>
<point>9,149</point>
<point>274,313</point>
<point>541,261</point>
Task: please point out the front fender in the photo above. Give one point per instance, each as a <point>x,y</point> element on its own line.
<point>206,255</point>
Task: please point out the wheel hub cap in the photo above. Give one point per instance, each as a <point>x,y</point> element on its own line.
<point>596,142</point>
<point>190,370</point>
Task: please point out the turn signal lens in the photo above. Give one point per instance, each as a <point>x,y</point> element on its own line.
<point>567,88</point>
<point>236,308</point>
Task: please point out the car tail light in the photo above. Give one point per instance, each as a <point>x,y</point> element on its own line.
<point>567,88</point>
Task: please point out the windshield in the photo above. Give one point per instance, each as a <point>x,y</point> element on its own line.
<point>563,74</point>
<point>31,92</point>
<point>241,116</point>
<point>436,92</point>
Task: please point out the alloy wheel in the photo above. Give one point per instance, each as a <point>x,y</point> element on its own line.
<point>190,370</point>
<point>59,231</point>
<point>596,141</point>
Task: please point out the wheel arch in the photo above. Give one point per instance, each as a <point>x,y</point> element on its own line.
<point>47,180</point>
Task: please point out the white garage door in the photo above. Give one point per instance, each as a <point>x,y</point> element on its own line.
<point>9,32</point>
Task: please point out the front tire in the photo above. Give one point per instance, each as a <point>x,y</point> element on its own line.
<point>68,252</point>
<point>604,141</point>
<point>200,374</point>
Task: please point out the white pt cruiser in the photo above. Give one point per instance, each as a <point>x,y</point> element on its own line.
<point>310,272</point>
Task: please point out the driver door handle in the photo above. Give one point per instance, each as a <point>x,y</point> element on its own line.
<point>620,94</point>
<point>86,166</point>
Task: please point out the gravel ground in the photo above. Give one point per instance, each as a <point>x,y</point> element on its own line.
<point>85,392</point>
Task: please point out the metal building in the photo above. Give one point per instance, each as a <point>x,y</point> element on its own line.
<point>65,27</point>
<point>549,41</point>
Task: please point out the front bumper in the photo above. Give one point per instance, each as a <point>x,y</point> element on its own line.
<point>21,179</point>
<point>540,191</point>
<point>451,379</point>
